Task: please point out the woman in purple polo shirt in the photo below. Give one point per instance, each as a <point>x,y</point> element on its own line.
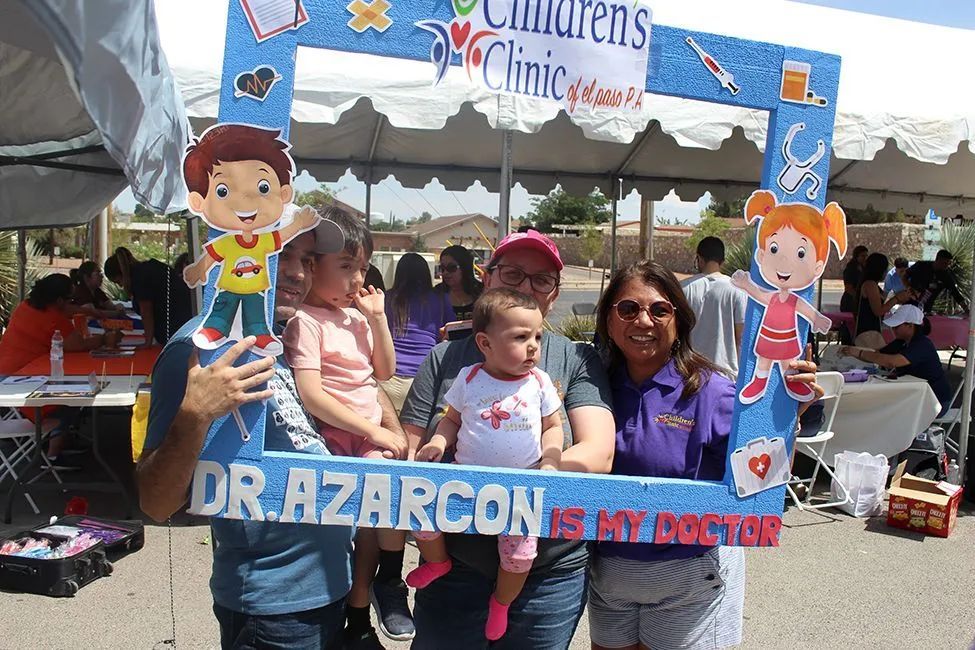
<point>415,313</point>
<point>673,419</point>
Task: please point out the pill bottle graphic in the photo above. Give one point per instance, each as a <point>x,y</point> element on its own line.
<point>795,81</point>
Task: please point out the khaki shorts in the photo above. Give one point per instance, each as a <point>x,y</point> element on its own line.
<point>397,388</point>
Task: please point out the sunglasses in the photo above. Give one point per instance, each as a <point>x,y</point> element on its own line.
<point>629,310</point>
<point>449,268</point>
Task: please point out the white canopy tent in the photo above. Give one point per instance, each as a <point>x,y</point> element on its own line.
<point>89,106</point>
<point>903,134</point>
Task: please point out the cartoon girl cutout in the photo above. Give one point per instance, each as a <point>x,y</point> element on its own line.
<point>793,246</point>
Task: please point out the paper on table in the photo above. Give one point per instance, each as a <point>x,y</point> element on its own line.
<point>24,379</point>
<point>78,388</point>
<point>269,18</point>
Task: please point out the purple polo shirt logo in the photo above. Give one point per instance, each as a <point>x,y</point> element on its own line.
<point>674,420</point>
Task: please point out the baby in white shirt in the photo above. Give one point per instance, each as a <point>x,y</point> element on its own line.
<point>503,412</point>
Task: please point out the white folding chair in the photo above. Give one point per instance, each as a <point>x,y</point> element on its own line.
<point>951,419</point>
<point>815,446</point>
<point>20,431</point>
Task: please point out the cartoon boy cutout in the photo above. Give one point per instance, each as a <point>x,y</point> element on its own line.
<point>239,181</point>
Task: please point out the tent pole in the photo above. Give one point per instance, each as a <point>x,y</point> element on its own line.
<point>646,229</point>
<point>966,391</point>
<point>612,256</point>
<point>101,237</point>
<point>368,198</point>
<point>504,200</point>
<point>22,264</point>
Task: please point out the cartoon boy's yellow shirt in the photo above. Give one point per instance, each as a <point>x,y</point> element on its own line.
<point>244,264</point>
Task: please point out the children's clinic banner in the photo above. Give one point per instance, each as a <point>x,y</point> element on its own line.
<point>604,55</point>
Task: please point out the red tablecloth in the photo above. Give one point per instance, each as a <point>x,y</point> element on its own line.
<point>947,332</point>
<point>82,363</point>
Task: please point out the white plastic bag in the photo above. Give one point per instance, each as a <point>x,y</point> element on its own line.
<point>865,477</point>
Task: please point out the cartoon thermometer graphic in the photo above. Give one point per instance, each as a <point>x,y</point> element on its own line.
<point>725,78</point>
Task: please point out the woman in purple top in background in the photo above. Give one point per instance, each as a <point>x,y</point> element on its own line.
<point>673,412</point>
<point>415,313</point>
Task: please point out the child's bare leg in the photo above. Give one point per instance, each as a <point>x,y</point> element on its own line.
<point>436,561</point>
<point>365,561</point>
<point>509,585</point>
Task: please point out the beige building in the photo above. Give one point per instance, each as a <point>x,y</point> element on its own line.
<point>477,232</point>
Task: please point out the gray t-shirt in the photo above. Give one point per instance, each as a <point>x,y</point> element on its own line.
<point>580,380</point>
<point>722,308</point>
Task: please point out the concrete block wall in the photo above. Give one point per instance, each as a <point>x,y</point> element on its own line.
<point>671,249</point>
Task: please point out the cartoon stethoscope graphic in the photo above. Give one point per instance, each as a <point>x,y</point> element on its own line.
<point>796,172</point>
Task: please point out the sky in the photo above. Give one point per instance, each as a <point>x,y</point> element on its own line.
<point>388,196</point>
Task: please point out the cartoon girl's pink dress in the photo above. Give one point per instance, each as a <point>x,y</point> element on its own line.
<point>778,336</point>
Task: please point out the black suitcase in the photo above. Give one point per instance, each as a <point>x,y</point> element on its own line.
<point>65,576</point>
<point>61,577</point>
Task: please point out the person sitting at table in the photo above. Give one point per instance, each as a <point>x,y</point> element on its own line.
<point>896,281</point>
<point>87,292</point>
<point>852,276</point>
<point>29,332</point>
<point>158,295</point>
<point>872,306</point>
<point>458,281</point>
<point>910,353</point>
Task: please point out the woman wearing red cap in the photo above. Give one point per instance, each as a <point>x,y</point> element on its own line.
<point>451,612</point>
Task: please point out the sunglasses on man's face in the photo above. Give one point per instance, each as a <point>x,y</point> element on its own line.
<point>449,268</point>
<point>629,310</point>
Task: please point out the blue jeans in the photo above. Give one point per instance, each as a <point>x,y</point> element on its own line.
<point>452,611</point>
<point>253,320</point>
<point>314,629</point>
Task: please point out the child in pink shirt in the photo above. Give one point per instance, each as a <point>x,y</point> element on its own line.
<point>339,345</point>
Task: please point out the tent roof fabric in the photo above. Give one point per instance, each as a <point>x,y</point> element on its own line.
<point>904,121</point>
<point>88,89</point>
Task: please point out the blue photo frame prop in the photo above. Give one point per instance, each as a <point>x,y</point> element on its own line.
<point>237,478</point>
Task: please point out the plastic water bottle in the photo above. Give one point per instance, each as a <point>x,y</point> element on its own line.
<point>954,473</point>
<point>57,356</point>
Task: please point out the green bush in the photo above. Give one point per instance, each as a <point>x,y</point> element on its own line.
<point>738,256</point>
<point>9,265</point>
<point>577,328</point>
<point>960,242</point>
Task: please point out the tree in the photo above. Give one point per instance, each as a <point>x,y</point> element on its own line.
<point>711,225</point>
<point>592,242</point>
<point>418,245</point>
<point>423,218</point>
<point>143,214</point>
<point>562,208</point>
<point>393,225</point>
<point>727,209</point>
<point>320,198</point>
<point>871,215</point>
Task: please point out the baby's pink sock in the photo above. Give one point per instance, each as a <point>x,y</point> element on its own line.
<point>497,622</point>
<point>426,573</point>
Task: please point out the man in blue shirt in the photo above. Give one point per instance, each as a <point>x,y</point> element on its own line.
<point>894,282</point>
<point>274,585</point>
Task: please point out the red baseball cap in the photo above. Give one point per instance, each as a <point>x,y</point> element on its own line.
<point>531,239</point>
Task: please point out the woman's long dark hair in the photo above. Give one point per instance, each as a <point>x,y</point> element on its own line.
<point>465,260</point>
<point>118,267</point>
<point>412,280</point>
<point>875,268</point>
<point>79,274</point>
<point>693,367</point>
<point>49,289</point>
